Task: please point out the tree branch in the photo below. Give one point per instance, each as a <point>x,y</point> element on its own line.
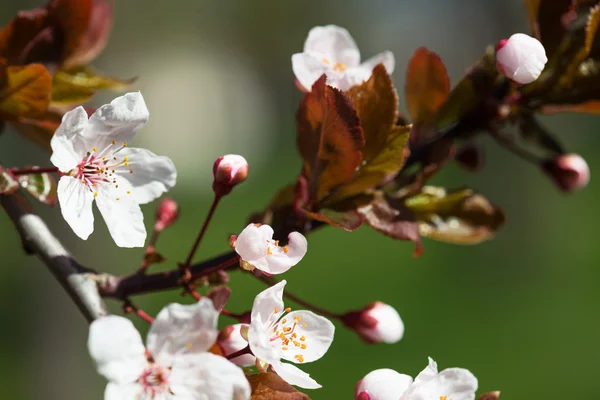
<point>79,282</point>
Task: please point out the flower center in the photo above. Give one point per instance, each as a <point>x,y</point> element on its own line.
<point>100,167</point>
<point>338,66</point>
<point>155,380</point>
<point>275,244</point>
<point>284,330</point>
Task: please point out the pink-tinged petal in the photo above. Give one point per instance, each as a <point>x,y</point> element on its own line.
<point>75,201</point>
<point>252,243</point>
<point>386,58</point>
<point>149,175</point>
<point>377,323</point>
<point>68,147</point>
<point>314,335</point>
<point>125,391</point>
<point>207,376</point>
<point>231,341</point>
<point>119,121</point>
<point>333,43</point>
<point>122,215</point>
<point>267,308</point>
<point>453,383</point>
<point>383,384</point>
<point>295,376</point>
<point>521,58</point>
<point>182,328</point>
<point>430,372</point>
<point>296,248</point>
<point>308,69</point>
<point>117,348</point>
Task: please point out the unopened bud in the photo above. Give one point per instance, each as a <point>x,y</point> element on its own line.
<point>230,340</point>
<point>520,58</point>
<point>229,171</point>
<point>382,384</point>
<point>569,172</point>
<point>376,323</point>
<point>471,157</point>
<point>166,214</point>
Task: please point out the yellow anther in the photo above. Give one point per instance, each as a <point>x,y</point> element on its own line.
<point>284,348</point>
<point>188,346</point>
<point>124,144</point>
<point>294,336</point>
<point>340,67</point>
<point>118,198</point>
<point>129,192</point>
<point>276,243</point>
<point>103,158</point>
<point>276,310</point>
<point>304,324</point>
<point>282,336</point>
<point>285,249</point>
<point>303,346</point>
<point>94,149</point>
<point>283,321</point>
<point>114,158</point>
<point>125,159</point>
<point>114,142</point>
<point>325,61</point>
<point>126,164</point>
<point>296,319</point>
<point>93,184</point>
<point>131,171</point>
<point>288,309</point>
<point>443,397</point>
<point>287,329</point>
<point>296,343</point>
<point>303,338</point>
<point>269,252</point>
<point>299,357</point>
<point>117,185</point>
<point>95,194</point>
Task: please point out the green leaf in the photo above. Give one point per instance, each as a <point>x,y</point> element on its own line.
<point>427,85</point>
<point>79,84</point>
<point>329,139</point>
<point>26,91</point>
<point>40,186</point>
<point>270,386</point>
<point>8,183</point>
<point>460,217</point>
<point>392,218</point>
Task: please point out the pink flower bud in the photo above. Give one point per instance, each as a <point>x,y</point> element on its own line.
<point>231,340</point>
<point>382,384</point>
<point>569,172</point>
<point>521,58</point>
<point>166,214</point>
<point>376,323</point>
<point>228,171</point>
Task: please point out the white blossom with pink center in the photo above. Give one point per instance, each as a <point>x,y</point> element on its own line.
<point>387,384</point>
<point>277,333</point>
<point>332,51</point>
<point>97,164</point>
<point>175,365</point>
<point>256,247</point>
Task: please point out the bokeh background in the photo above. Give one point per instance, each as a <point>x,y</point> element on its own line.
<point>521,311</point>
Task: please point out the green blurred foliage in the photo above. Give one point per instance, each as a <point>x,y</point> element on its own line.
<point>519,311</point>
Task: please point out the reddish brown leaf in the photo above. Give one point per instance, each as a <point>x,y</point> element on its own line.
<point>329,139</point>
<point>96,37</point>
<point>551,24</point>
<point>427,85</point>
<point>376,104</point>
<point>8,183</point>
<point>349,220</point>
<point>490,395</point>
<point>26,92</point>
<point>39,130</point>
<point>270,386</point>
<point>532,7</point>
<point>219,296</point>
<point>591,107</point>
<point>391,217</point>
<point>21,35</point>
<point>72,17</point>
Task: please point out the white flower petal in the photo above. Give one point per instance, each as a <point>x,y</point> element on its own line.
<point>207,376</point>
<point>266,302</point>
<point>151,175</point>
<point>384,384</point>
<point>252,243</point>
<point>75,201</point>
<point>68,147</point>
<point>318,335</point>
<point>123,217</point>
<point>308,69</point>
<point>454,383</point>
<point>180,329</point>
<point>232,342</point>
<point>295,376</point>
<point>127,391</point>
<point>522,58</point>
<point>120,120</point>
<point>386,58</point>
<point>334,43</point>
<point>430,372</point>
<point>117,348</point>
<point>297,247</point>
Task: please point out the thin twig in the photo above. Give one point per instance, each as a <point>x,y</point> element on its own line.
<point>207,220</point>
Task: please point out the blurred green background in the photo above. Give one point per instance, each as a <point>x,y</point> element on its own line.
<point>521,311</point>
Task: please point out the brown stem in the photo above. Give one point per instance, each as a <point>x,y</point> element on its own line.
<point>245,350</point>
<point>509,144</point>
<point>149,250</point>
<point>209,216</point>
<point>33,170</point>
<point>271,281</point>
<point>129,307</point>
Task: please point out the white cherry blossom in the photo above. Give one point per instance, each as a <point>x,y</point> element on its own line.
<point>97,163</point>
<point>175,364</point>
<point>256,247</point>
<point>386,384</point>
<point>277,333</point>
<point>521,58</point>
<point>331,50</point>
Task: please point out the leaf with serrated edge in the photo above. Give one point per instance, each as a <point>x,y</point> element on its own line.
<point>591,29</point>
